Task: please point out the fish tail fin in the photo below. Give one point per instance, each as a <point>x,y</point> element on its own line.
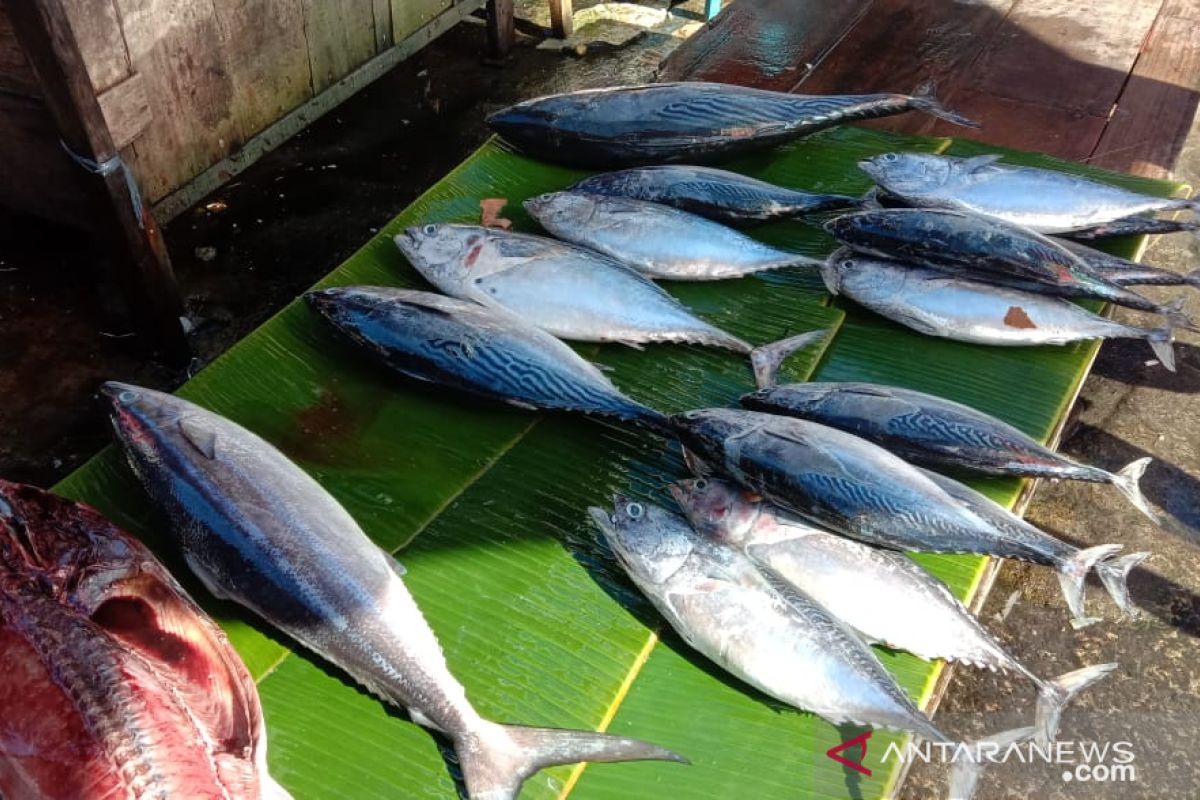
<point>1072,574</point>
<point>1053,696</point>
<point>964,778</point>
<point>498,759</point>
<point>1178,318</point>
<point>654,421</point>
<point>768,358</point>
<point>1127,481</point>
<point>1162,341</point>
<point>870,199</point>
<point>924,99</point>
<point>1114,574</point>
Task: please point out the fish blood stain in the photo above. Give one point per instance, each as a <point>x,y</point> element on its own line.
<point>1017,318</point>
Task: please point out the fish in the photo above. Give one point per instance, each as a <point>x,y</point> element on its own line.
<point>661,123</point>
<point>113,682</point>
<point>568,291</point>
<point>467,346</point>
<point>1124,272</point>
<point>658,241</point>
<point>1047,201</point>
<point>984,249</point>
<point>883,595</point>
<point>259,531</point>
<point>1134,226</point>
<point>934,432</point>
<point>717,194</point>
<point>938,304</point>
<point>858,489</point>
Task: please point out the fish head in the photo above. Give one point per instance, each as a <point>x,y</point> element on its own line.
<point>651,543</point>
<point>140,416</point>
<point>908,174</point>
<point>443,254</point>
<point>799,399</point>
<point>65,567</point>
<point>719,509</point>
<point>705,432</point>
<point>562,210</point>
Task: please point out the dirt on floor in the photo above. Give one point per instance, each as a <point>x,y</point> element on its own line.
<point>252,246</point>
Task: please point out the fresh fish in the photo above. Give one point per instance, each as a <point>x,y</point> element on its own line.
<point>113,683</point>
<point>773,637</point>
<point>858,489</point>
<point>1043,200</point>
<point>987,249</point>
<point>684,122</point>
<point>884,595</point>
<point>937,304</point>
<point>569,291</point>
<point>1124,272</point>
<point>658,241</point>
<point>1070,562</point>
<point>256,529</point>
<point>718,194</point>
<point>468,346</point>
<point>935,432</point>
<point>1134,226</point>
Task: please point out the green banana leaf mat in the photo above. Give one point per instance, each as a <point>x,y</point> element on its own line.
<point>485,505</point>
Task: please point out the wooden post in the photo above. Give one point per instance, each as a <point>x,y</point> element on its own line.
<point>562,18</point>
<point>139,255</point>
<point>500,29</point>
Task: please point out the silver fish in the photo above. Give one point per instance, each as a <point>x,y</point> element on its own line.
<point>718,194</point>
<point>688,121</point>
<point>1124,272</point>
<point>658,241</point>
<point>1044,200</point>
<point>935,432</point>
<point>256,529</point>
<point>884,595</point>
<point>937,304</point>
<point>468,346</point>
<point>775,638</point>
<point>569,291</point>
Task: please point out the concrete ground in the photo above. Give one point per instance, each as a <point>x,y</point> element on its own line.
<point>257,242</point>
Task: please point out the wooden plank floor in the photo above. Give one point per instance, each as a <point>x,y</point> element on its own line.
<point>1113,82</point>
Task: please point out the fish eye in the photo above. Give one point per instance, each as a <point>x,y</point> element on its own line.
<point>691,414</point>
<point>635,510</point>
<point>546,196</point>
<point>127,396</point>
<point>889,157</point>
<point>848,262</point>
<point>429,230</point>
<point>701,485</point>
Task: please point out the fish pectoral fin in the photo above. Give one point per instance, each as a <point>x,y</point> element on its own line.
<point>978,162</point>
<point>202,438</point>
<point>205,577</point>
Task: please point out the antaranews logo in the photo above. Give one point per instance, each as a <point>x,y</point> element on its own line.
<point>1081,761</point>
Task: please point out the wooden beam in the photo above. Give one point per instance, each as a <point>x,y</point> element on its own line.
<point>562,18</point>
<point>126,110</point>
<point>500,29</point>
<point>139,255</point>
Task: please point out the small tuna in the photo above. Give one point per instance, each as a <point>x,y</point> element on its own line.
<point>658,241</point>
<point>684,122</point>
<point>718,194</point>
<point>1124,272</point>
<point>937,304</point>
<point>884,595</point>
<point>113,683</point>
<point>1044,200</point>
<point>256,529</point>
<point>1135,226</point>
<point>467,346</point>
<point>568,291</point>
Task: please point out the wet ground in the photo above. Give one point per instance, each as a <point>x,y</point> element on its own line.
<point>255,244</point>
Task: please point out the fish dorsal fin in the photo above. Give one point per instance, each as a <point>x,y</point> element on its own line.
<point>975,163</point>
<point>396,566</point>
<point>199,436</point>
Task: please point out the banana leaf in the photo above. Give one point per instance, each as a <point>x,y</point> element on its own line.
<point>485,504</point>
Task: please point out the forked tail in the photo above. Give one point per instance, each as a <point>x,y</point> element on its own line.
<point>1162,341</point>
<point>1114,574</point>
<point>1054,695</point>
<point>1128,482</point>
<point>1071,576</point>
<point>924,99</point>
<point>497,759</point>
<point>767,358</point>
<point>967,771</point>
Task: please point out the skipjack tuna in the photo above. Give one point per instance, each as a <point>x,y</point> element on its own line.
<point>113,683</point>
<point>256,529</point>
<point>683,122</point>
